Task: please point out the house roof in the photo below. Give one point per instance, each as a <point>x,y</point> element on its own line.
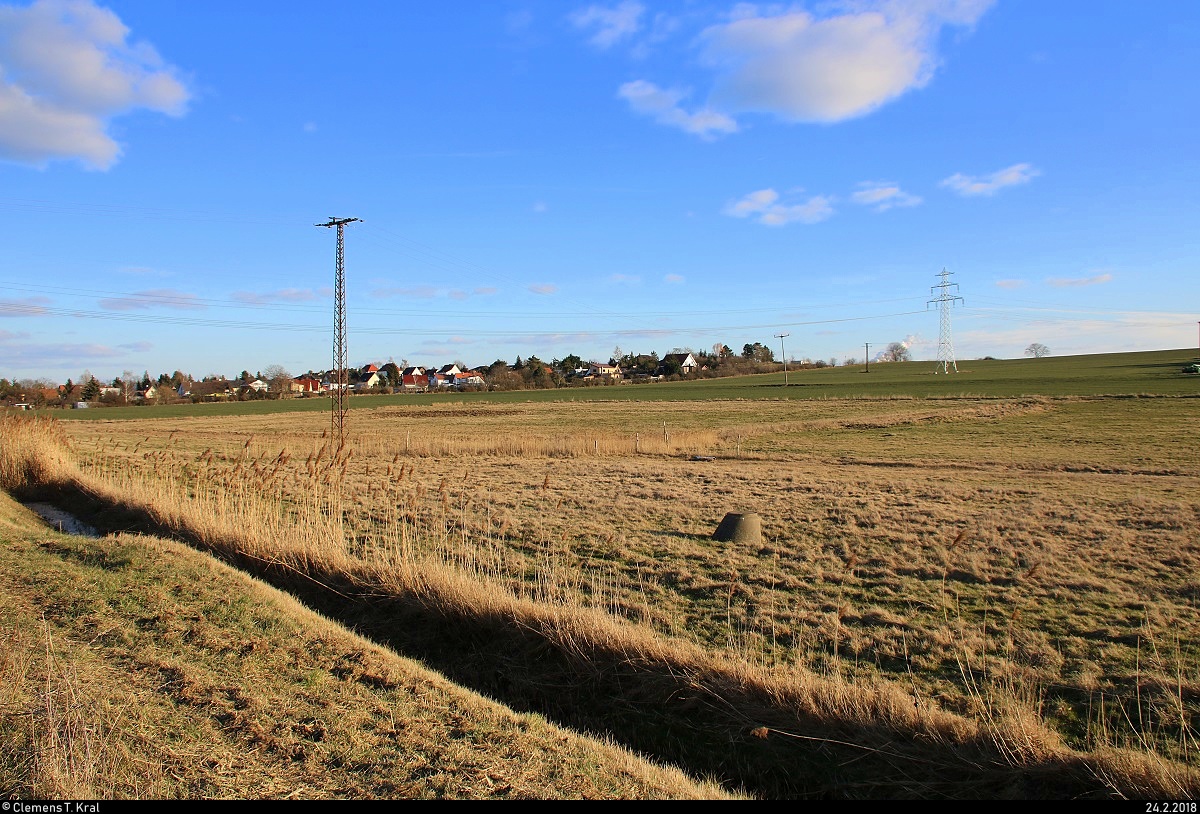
<point>210,388</point>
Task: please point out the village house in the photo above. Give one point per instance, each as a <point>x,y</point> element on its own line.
<point>369,379</point>
<point>438,380</point>
<point>687,363</point>
<point>603,370</point>
<point>214,390</point>
<point>468,378</point>
<point>305,385</point>
<point>414,380</point>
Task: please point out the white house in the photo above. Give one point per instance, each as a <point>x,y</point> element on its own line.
<point>468,378</point>
<point>371,379</point>
<point>687,362</point>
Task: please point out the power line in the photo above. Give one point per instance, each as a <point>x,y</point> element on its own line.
<point>945,300</point>
<point>339,334</point>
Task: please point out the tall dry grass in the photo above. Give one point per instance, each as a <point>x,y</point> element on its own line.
<point>291,510</point>
<point>35,452</point>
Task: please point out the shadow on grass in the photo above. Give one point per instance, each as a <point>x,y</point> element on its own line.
<point>772,740</point>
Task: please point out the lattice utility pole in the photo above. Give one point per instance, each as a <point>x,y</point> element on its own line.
<point>341,382</point>
<point>945,299</point>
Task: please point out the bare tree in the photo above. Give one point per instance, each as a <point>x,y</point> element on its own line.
<point>896,352</point>
<point>278,378</point>
<point>1037,350</point>
<point>129,384</point>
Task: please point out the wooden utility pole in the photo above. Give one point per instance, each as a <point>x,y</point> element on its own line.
<point>783,356</point>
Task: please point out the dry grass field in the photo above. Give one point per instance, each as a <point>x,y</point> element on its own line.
<point>1049,548</point>
<point>1027,563</point>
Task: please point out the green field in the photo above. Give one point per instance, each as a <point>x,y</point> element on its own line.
<point>1147,373</point>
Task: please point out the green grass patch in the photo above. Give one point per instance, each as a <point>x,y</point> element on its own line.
<point>1146,373</point>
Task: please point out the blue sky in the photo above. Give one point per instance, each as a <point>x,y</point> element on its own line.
<point>548,178</point>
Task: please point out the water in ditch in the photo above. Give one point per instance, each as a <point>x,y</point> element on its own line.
<point>62,521</point>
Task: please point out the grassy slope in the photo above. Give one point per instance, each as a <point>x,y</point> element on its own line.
<point>140,668</point>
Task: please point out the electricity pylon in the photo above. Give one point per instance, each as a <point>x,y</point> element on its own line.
<point>341,379</point>
<point>945,299</point>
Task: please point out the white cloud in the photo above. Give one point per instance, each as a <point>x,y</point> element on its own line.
<point>66,69</point>
<point>766,207</point>
<point>158,298</point>
<point>883,195</point>
<point>673,279</point>
<point>545,288</point>
<point>611,24</point>
<point>805,68</point>
<point>1099,279</point>
<point>625,279</point>
<point>1010,284</point>
<point>663,106</point>
<point>1118,331</point>
<point>970,185</point>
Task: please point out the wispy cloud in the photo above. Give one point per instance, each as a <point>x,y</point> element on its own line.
<point>663,106</point>
<point>158,298</point>
<point>137,347</point>
<point>973,185</point>
<point>53,355</point>
<point>1065,282</point>
<point>807,68</point>
<point>882,196</point>
<point>625,279</point>
<point>68,70</point>
<point>544,288</point>
<point>609,24</point>
<point>766,207</point>
<point>24,307</point>
<point>267,297</point>
<point>1010,284</point>
<point>420,292</point>
<point>673,279</point>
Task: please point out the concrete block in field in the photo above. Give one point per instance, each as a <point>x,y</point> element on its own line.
<point>739,528</point>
